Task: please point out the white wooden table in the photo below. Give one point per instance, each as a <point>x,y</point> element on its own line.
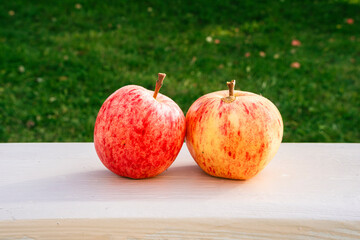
<point>62,191</point>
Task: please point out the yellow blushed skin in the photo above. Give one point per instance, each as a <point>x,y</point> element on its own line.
<point>235,139</point>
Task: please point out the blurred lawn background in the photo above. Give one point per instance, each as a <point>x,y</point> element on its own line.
<point>59,60</point>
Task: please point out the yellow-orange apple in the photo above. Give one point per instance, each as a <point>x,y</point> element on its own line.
<point>233,134</point>
<point>138,133</point>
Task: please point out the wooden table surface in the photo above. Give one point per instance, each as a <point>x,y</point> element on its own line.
<point>62,191</point>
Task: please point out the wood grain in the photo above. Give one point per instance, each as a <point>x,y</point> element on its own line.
<point>62,191</point>
<point>179,229</point>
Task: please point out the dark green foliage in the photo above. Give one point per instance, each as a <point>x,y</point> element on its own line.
<point>58,63</point>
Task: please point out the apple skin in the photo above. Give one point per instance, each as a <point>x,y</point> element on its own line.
<point>136,135</point>
<point>233,140</point>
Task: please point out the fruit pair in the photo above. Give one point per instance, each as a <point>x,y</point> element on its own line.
<point>230,134</point>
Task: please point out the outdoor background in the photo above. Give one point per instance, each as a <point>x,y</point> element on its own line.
<point>59,60</point>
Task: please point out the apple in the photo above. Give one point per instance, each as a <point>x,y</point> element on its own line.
<point>138,133</point>
<point>233,134</point>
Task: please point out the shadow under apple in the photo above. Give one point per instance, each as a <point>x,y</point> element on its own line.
<point>178,182</point>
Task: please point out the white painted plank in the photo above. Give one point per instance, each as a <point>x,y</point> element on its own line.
<point>306,186</point>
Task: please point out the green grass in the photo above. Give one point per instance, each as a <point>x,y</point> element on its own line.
<point>74,58</point>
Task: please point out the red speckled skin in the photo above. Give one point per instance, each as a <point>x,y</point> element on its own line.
<point>233,140</point>
<point>137,136</point>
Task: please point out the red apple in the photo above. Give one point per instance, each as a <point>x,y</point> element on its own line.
<point>233,134</point>
<point>138,133</point>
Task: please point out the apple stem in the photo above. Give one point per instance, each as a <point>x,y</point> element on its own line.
<point>231,86</point>
<point>159,83</point>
